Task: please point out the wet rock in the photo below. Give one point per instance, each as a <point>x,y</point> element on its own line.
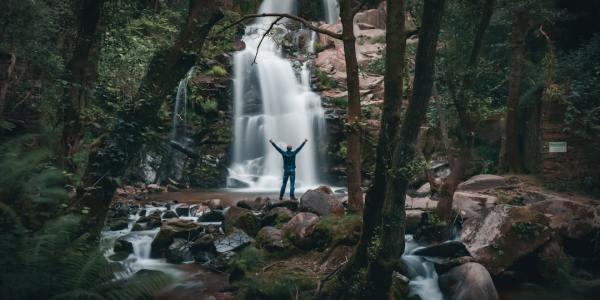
<point>148,222</point>
<point>212,216</point>
<point>504,235</point>
<point>204,243</point>
<point>214,204</point>
<point>321,201</point>
<point>179,252</point>
<point>443,265</point>
<point>270,238</point>
<point>257,204</point>
<point>482,182</point>
<point>183,210</point>
<point>290,204</point>
<point>244,219</point>
<point>118,224</point>
<point>174,228</point>
<point>169,214</point>
<point>451,249</point>
<point>299,228</point>
<point>413,219</point>
<point>122,244</point>
<point>468,282</point>
<point>277,215</point>
<point>236,184</point>
<point>472,204</point>
<point>142,213</point>
<point>399,289</point>
<point>233,241</point>
<point>433,234</point>
<point>572,219</point>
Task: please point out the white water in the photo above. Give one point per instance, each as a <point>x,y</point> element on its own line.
<point>332,10</point>
<point>271,102</point>
<point>422,274</point>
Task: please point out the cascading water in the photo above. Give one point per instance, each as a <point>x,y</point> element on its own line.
<point>332,10</point>
<point>423,277</point>
<point>173,166</point>
<point>271,102</point>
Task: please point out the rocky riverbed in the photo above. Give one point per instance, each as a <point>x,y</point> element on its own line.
<point>510,238</point>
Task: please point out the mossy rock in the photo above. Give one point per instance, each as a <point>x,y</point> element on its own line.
<point>333,230</point>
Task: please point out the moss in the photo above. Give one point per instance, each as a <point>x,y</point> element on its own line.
<point>333,230</point>
<point>279,282</point>
<point>250,259</point>
<point>340,102</point>
<point>217,71</point>
<point>325,82</point>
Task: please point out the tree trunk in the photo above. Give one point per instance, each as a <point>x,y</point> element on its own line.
<point>9,60</point>
<point>390,120</point>
<point>80,71</point>
<point>355,195</point>
<point>521,23</point>
<point>391,243</point>
<point>109,161</point>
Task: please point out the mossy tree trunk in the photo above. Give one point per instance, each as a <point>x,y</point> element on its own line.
<point>390,245</point>
<point>116,150</point>
<point>80,72</point>
<point>390,121</point>
<point>353,127</point>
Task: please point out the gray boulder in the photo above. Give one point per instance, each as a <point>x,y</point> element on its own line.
<point>470,281</point>
<point>321,201</point>
<point>270,238</point>
<point>233,241</point>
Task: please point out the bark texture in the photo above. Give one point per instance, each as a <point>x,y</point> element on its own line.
<point>80,72</point>
<point>390,246</point>
<point>355,195</point>
<point>521,23</point>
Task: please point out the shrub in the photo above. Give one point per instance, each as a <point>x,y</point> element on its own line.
<point>217,71</point>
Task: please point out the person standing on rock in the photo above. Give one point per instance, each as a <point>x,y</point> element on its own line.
<point>289,167</point>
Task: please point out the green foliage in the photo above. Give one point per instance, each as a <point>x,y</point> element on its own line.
<point>331,231</point>
<point>217,71</point>
<point>376,66</point>
<point>579,71</point>
<point>325,82</point>
<point>249,260</point>
<point>380,39</point>
<point>341,102</point>
<point>319,47</point>
<point>279,282</point>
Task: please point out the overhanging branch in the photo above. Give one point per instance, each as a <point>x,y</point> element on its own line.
<point>305,22</point>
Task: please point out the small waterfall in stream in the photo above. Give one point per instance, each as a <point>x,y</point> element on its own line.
<point>422,274</point>
<point>172,167</point>
<point>271,102</point>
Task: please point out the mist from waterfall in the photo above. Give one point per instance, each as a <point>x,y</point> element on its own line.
<point>273,100</point>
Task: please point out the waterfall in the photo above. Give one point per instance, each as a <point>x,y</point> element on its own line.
<point>422,274</point>
<point>272,102</point>
<point>172,167</point>
<point>332,10</point>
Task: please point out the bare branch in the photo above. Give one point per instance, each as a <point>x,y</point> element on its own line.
<point>305,22</point>
<point>263,37</point>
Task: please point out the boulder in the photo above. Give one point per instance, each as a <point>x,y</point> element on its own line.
<point>450,249</point>
<point>212,216</point>
<point>424,203</point>
<point>179,252</point>
<point>233,241</point>
<point>171,229</point>
<point>214,204</point>
<point>424,190</point>
<point>482,182</point>
<point>472,204</point>
<point>122,244</point>
<point>203,243</point>
<point>244,219</point>
<point>572,219</point>
<point>374,17</point>
<point>148,222</point>
<point>290,204</point>
<point>183,210</point>
<point>277,215</point>
<point>321,201</point>
<point>118,224</point>
<point>270,238</point>
<point>299,228</point>
<point>470,281</point>
<point>256,204</point>
<point>169,214</point>
<point>504,235</point>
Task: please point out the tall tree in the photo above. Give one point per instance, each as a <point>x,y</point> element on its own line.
<point>354,129</point>
<point>520,26</point>
<point>390,121</point>
<point>391,244</point>
<point>116,150</point>
<point>80,72</point>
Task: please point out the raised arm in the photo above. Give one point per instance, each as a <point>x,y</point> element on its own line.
<point>300,148</point>
<point>276,147</point>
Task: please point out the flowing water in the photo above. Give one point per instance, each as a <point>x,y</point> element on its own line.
<point>422,274</point>
<point>273,100</point>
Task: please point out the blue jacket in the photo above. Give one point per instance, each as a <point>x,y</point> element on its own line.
<point>289,157</point>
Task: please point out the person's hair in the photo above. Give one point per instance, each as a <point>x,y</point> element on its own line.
<point>289,147</point>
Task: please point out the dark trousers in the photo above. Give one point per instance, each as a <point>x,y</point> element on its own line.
<point>291,174</point>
